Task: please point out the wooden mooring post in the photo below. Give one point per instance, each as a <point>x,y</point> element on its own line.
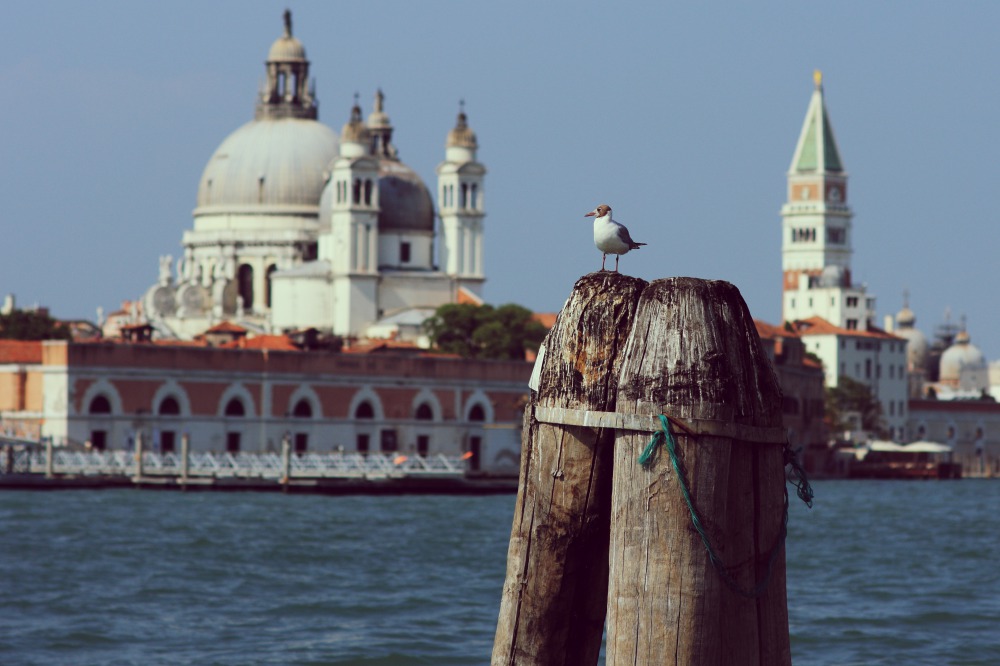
<point>691,353</point>
<point>554,598</point>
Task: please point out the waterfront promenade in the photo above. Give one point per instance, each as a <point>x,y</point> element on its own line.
<point>310,472</point>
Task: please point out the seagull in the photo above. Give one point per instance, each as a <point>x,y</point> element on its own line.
<point>610,237</point>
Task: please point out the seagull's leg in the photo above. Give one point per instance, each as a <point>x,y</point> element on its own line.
<point>603,259</point>
<point>617,257</point>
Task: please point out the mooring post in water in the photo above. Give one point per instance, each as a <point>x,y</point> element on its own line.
<point>138,455</point>
<point>49,458</point>
<point>555,594</point>
<point>697,571</point>
<point>286,461</point>
<point>185,457</point>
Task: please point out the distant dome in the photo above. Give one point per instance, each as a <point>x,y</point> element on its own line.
<point>286,49</point>
<point>461,136</point>
<point>961,356</point>
<point>916,341</point>
<point>354,130</point>
<point>916,347</point>
<point>270,165</point>
<point>832,276</point>
<point>404,200</point>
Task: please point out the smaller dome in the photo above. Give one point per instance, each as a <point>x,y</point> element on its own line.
<point>916,347</point>
<point>961,356</point>
<point>354,130</point>
<point>286,48</point>
<point>461,136</point>
<point>404,200</point>
<point>905,318</point>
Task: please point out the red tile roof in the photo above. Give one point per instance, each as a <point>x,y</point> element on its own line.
<point>20,351</point>
<point>369,346</point>
<point>465,296</point>
<point>270,342</point>
<point>820,326</point>
<point>546,319</point>
<point>769,331</point>
<point>227,327</point>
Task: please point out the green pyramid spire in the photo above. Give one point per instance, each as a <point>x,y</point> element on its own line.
<point>817,150</point>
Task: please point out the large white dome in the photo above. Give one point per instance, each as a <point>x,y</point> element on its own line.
<point>269,166</point>
<point>963,356</point>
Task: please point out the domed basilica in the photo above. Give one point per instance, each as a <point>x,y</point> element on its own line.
<point>298,228</point>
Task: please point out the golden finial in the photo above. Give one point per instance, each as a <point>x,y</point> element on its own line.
<point>818,78</point>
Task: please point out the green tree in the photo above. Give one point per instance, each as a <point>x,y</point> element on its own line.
<point>482,331</point>
<point>851,400</point>
<point>31,325</point>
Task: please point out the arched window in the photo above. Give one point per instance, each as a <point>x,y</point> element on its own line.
<point>267,284</point>
<point>477,413</point>
<point>169,406</point>
<point>357,191</point>
<point>368,192</point>
<point>100,405</point>
<point>245,279</point>
<point>473,202</point>
<point>364,411</point>
<point>463,196</point>
<point>424,412</point>
<point>303,410</point>
<point>235,408</point>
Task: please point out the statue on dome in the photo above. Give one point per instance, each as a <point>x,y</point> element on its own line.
<point>166,261</point>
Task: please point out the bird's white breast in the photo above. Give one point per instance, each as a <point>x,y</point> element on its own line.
<point>606,237</point>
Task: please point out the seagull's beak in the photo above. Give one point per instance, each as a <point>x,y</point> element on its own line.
<point>591,213</point>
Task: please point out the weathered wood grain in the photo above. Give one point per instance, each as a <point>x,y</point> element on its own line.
<point>555,594</point>
<point>694,353</point>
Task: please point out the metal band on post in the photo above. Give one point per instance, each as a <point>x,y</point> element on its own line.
<point>647,423</point>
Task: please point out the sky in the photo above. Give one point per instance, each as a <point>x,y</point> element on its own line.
<point>682,116</point>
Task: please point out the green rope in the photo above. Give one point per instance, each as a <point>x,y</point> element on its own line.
<point>804,491</point>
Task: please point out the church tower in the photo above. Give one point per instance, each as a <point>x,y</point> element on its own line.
<point>352,243</point>
<point>816,229</point>
<point>460,199</point>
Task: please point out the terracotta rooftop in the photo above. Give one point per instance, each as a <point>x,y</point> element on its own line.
<point>466,297</point>
<point>370,346</point>
<point>227,327</point>
<point>820,326</point>
<point>768,331</point>
<point>20,351</point>
<point>546,319</point>
<point>271,342</point>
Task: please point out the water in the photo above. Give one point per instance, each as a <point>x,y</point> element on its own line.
<point>878,573</point>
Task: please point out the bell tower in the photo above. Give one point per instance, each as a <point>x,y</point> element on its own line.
<point>816,229</point>
<point>460,200</point>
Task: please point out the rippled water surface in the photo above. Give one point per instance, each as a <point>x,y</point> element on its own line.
<point>878,573</point>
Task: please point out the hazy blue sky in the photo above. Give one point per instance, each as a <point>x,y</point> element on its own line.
<point>682,116</point>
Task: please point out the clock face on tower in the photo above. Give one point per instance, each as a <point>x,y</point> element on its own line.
<point>835,193</point>
<point>804,192</point>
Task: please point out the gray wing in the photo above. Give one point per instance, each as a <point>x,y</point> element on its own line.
<point>624,236</point>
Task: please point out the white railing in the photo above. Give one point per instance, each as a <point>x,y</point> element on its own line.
<point>246,465</point>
